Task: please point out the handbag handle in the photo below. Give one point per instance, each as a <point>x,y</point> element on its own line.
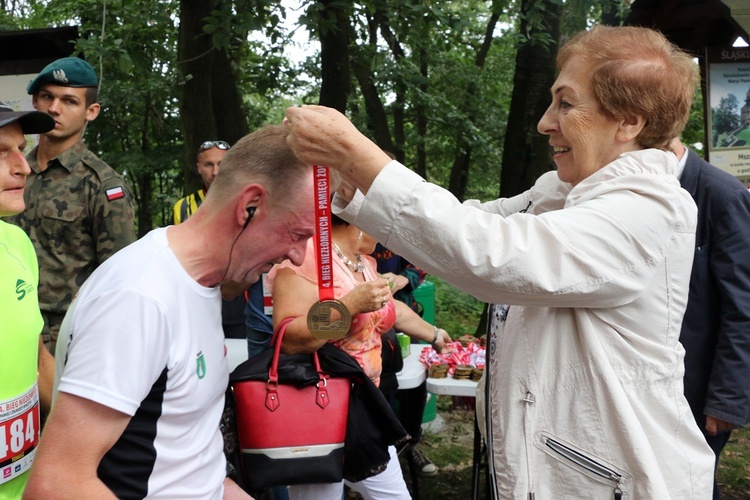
<point>272,396</point>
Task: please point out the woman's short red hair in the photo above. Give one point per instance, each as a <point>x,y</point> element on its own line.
<point>637,71</point>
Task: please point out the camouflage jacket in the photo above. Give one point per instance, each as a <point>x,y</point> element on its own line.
<point>79,212</point>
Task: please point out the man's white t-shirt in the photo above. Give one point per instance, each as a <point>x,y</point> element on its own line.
<point>144,338</point>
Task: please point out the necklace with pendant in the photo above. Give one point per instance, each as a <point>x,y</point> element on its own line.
<point>355,268</point>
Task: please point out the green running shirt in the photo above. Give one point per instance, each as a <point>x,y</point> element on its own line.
<point>20,325</point>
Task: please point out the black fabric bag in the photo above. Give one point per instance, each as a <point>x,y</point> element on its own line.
<point>393,362</point>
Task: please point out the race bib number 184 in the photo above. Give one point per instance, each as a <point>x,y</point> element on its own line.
<point>19,433</point>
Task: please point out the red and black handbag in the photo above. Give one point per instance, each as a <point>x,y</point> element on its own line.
<point>291,433</point>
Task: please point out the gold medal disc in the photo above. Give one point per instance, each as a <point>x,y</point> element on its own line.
<point>322,326</point>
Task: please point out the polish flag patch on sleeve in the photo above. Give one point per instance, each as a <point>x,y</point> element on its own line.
<point>115,193</point>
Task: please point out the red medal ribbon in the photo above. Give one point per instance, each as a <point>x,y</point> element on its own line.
<point>323,236</point>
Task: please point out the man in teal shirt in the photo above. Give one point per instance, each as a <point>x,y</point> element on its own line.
<point>26,368</point>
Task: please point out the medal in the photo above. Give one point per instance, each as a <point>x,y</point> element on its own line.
<point>324,325</point>
<point>321,323</point>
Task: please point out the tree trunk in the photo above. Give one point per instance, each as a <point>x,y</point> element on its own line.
<point>397,145</point>
<point>145,179</point>
<point>195,53</point>
<point>210,103</point>
<point>333,29</point>
<point>460,171</point>
<point>399,133</point>
<point>229,114</point>
<point>526,152</point>
<point>373,105</point>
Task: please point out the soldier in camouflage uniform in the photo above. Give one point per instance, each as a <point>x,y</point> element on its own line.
<point>79,211</point>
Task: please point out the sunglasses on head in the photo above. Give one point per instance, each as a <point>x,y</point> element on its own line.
<point>210,144</point>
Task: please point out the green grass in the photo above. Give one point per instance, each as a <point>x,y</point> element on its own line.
<point>734,465</point>
<point>444,453</point>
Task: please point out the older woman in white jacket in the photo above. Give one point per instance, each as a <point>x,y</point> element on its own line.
<point>584,395</point>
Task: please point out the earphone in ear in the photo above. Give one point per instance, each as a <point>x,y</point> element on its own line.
<point>250,213</point>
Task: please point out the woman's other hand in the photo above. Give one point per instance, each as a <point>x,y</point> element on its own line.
<point>396,281</point>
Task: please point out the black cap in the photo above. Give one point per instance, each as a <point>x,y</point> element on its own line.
<point>67,72</point>
<point>32,122</point>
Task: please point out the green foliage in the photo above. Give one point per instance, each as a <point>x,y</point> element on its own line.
<point>694,131</point>
<point>582,14</point>
<point>536,28</point>
<point>455,311</point>
<point>742,138</point>
<point>137,131</point>
<point>32,14</point>
<point>443,39</point>
<point>231,21</point>
<point>134,45</point>
<point>483,130</point>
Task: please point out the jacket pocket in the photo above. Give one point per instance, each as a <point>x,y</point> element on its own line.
<point>583,462</point>
<point>61,210</point>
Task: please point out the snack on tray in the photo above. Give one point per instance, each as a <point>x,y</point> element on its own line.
<point>476,374</point>
<point>438,371</point>
<point>463,372</point>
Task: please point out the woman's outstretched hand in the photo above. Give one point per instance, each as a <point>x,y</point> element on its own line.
<point>441,345</point>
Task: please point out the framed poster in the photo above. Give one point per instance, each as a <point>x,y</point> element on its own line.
<point>728,110</point>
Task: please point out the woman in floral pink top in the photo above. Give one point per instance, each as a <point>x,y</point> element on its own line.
<point>368,298</point>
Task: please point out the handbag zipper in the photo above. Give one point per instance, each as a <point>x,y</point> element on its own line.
<point>587,463</point>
